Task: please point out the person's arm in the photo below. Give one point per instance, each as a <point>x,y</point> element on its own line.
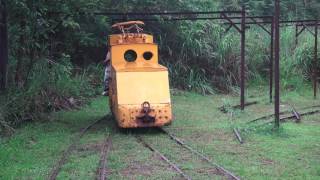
<point>107,59</point>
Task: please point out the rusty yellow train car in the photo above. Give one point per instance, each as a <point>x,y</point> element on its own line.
<point>139,86</point>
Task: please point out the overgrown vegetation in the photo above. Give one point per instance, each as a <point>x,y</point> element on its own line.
<point>51,87</point>
<point>36,147</point>
<point>55,48</point>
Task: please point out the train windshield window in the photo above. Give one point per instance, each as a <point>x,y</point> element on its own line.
<point>130,55</point>
<point>147,55</point>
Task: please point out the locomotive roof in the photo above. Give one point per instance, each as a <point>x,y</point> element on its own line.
<point>129,23</point>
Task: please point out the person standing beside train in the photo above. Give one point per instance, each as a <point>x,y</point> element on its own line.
<point>107,65</point>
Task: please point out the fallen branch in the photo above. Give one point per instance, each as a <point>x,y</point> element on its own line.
<point>236,132</point>
<point>296,114</point>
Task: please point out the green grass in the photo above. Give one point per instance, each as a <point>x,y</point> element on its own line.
<point>290,153</point>
<point>32,151</point>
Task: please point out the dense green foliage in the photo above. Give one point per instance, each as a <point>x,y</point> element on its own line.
<point>55,47</point>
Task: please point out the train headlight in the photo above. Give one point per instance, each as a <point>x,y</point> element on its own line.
<point>148,55</point>
<point>130,55</point>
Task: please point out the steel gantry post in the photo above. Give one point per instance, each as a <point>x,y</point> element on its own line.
<point>277,64</point>
<point>271,62</point>
<point>315,61</point>
<point>243,45</point>
<point>3,45</point>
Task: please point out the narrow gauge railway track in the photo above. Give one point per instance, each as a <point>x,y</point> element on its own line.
<point>266,117</point>
<point>163,157</point>
<point>101,171</point>
<point>220,169</point>
<point>64,157</point>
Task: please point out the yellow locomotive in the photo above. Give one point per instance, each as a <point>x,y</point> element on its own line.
<point>139,86</point>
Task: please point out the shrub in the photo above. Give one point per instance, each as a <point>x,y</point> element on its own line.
<point>51,86</point>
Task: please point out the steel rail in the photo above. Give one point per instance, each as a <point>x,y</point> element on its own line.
<point>56,169</point>
<point>174,166</point>
<point>282,113</point>
<point>284,119</point>
<point>300,115</point>
<point>204,157</point>
<point>224,109</point>
<point>101,171</point>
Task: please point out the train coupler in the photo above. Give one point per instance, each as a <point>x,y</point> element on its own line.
<point>145,116</point>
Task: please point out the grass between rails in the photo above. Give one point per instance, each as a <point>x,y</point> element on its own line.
<point>291,153</point>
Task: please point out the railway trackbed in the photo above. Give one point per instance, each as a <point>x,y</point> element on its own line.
<point>64,157</point>
<point>102,169</point>
<point>222,170</point>
<point>163,157</point>
<point>189,164</point>
<point>210,171</point>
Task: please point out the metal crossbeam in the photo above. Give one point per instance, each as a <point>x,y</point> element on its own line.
<point>224,16</point>
<point>259,24</point>
<point>165,13</point>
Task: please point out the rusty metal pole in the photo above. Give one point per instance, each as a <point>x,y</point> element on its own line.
<point>297,29</point>
<point>3,45</point>
<point>271,61</point>
<point>315,61</point>
<point>277,64</point>
<point>243,41</point>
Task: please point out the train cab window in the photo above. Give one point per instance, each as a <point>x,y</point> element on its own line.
<point>148,55</point>
<point>130,55</point>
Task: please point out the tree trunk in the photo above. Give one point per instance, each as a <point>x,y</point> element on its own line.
<point>20,54</point>
<point>30,65</point>
<point>3,45</point>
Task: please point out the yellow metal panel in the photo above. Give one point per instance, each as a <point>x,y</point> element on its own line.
<point>138,87</point>
<point>113,92</point>
<point>118,61</point>
<point>127,115</point>
<point>142,69</point>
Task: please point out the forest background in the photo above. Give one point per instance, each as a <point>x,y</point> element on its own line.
<point>56,49</point>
